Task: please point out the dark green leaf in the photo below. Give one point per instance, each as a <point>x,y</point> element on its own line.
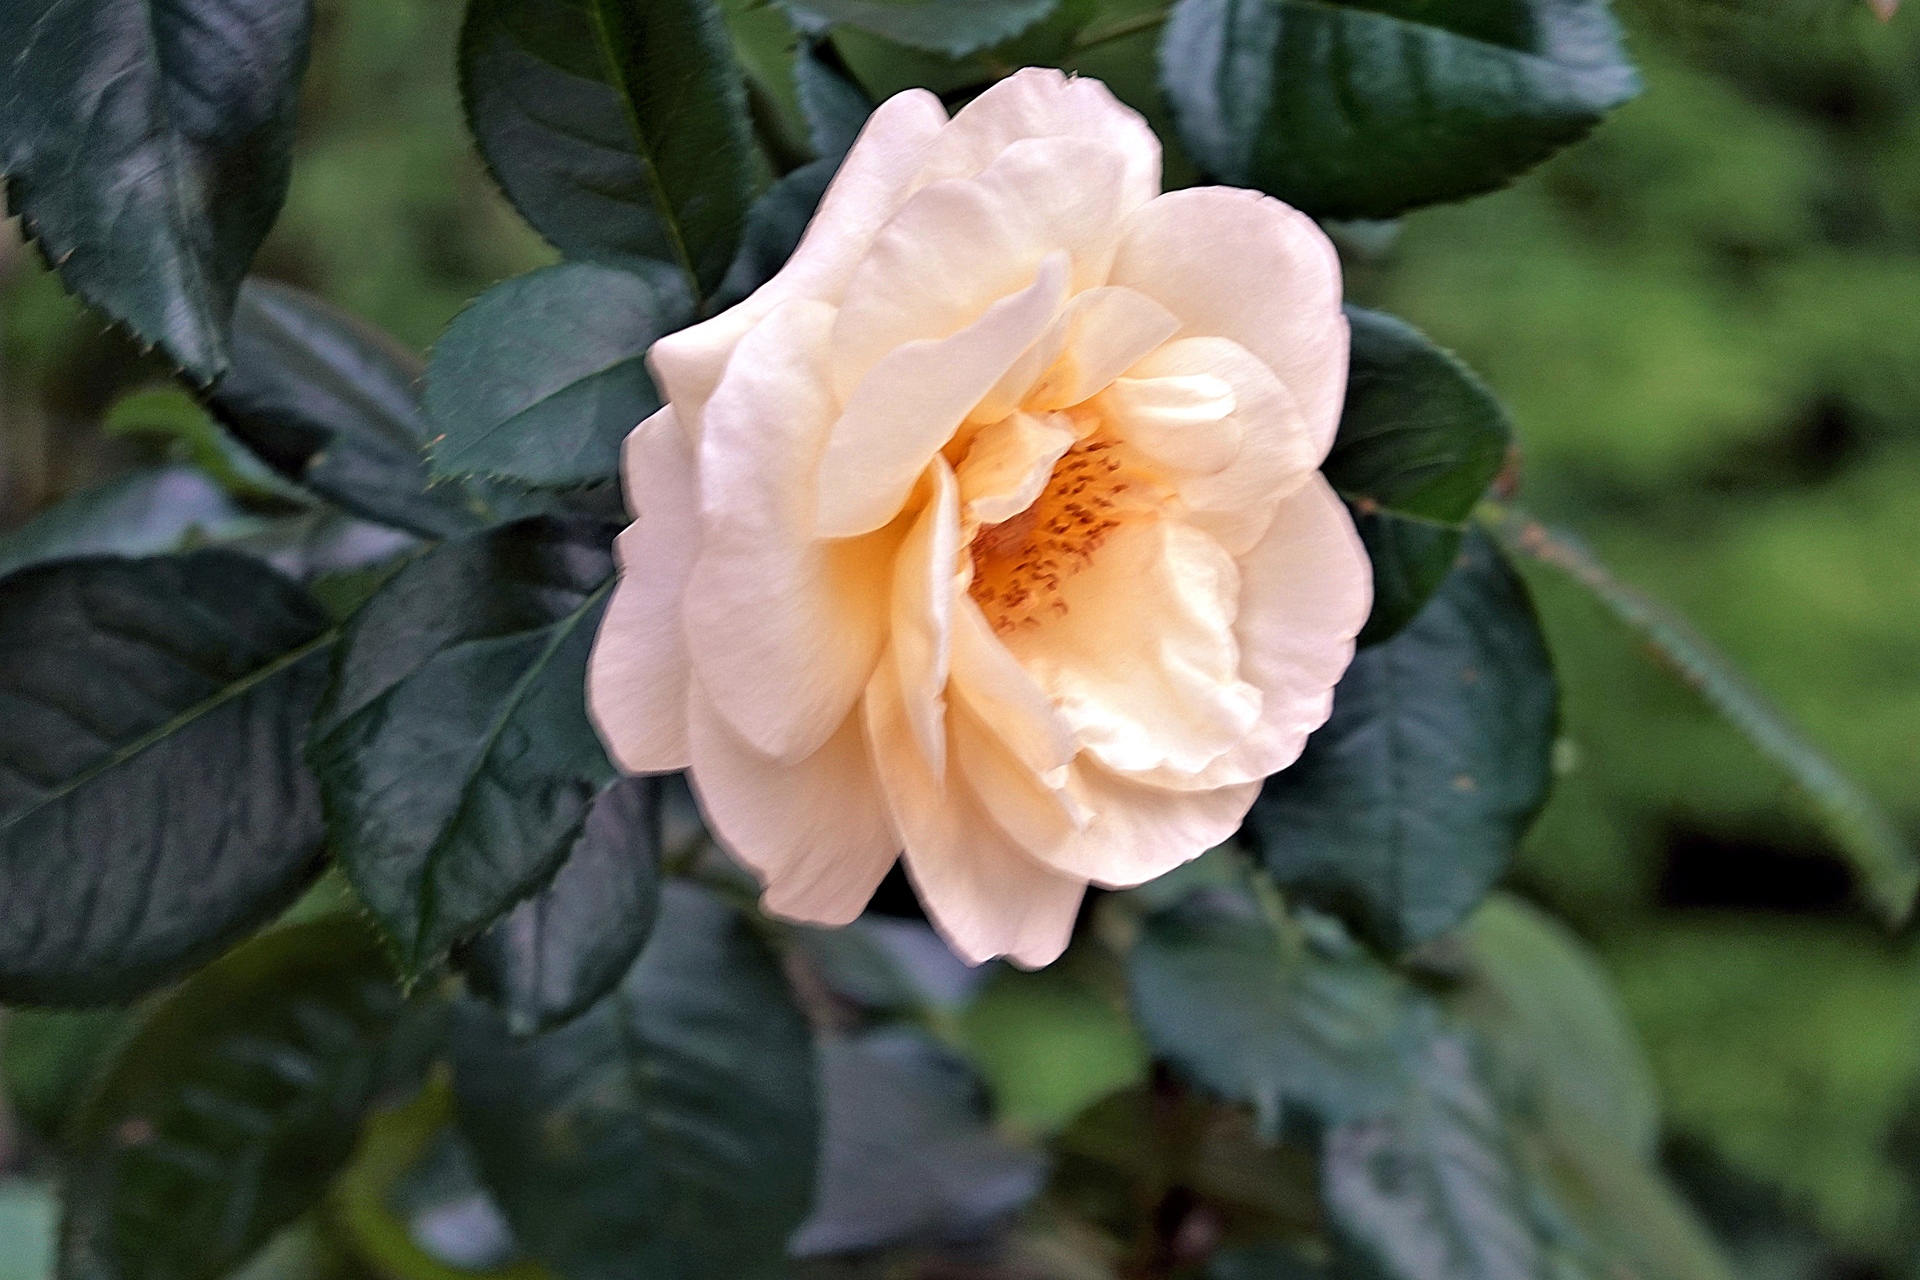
<point>1420,440</point>
<point>670,1133</point>
<point>1262,1262</point>
<point>147,148</point>
<point>774,227</point>
<point>138,514</point>
<point>835,107</point>
<point>153,801</point>
<point>543,376</point>
<point>331,403</point>
<point>910,1156</point>
<point>619,130</point>
<point>552,956</point>
<point>952,27</point>
<point>230,1110</point>
<point>1433,1189</point>
<point>1407,805</point>
<point>1365,110</point>
<point>455,757</point>
<point>1881,855</point>
<point>1262,1019</point>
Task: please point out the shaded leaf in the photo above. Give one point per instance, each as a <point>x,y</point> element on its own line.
<point>910,1155</point>
<point>619,131</point>
<point>1350,110</point>
<point>555,954</point>
<point>774,226</point>
<point>541,378</point>
<point>836,109</point>
<point>1878,852</point>
<point>1407,805</point>
<point>1262,1019</point>
<point>1421,438</point>
<point>1433,1189</point>
<point>331,403</point>
<point>952,27</point>
<point>455,758</point>
<point>147,148</point>
<point>226,1115</point>
<point>153,800</point>
<point>1050,1044</point>
<point>670,1133</point>
<point>138,514</point>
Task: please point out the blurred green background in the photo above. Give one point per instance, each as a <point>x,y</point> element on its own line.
<point>1706,322</point>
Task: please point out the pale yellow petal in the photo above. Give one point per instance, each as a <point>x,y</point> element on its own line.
<point>922,612</point>
<point>1039,102</point>
<point>1008,464</point>
<point>1037,817</point>
<point>1138,831</point>
<point>784,627</point>
<point>637,674</point>
<point>909,406</point>
<point>816,833</point>
<point>1005,698</point>
<point>982,892</point>
<point>1236,264</point>
<point>1180,420</point>
<point>1109,330</point>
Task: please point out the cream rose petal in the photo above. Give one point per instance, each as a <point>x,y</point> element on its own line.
<point>637,674</point>
<point>1137,832</point>
<point>922,613</point>
<point>788,677</point>
<point>816,832</point>
<point>985,895</point>
<point>1196,252</point>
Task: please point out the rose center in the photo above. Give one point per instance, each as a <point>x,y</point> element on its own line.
<point>1021,564</point>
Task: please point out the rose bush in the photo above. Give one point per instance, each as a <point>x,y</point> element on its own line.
<point>991,528</point>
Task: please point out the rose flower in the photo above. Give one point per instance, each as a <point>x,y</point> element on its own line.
<point>991,529</point>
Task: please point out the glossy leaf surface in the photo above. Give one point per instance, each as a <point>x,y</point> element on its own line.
<point>543,376</point>
<point>1351,110</point>
<point>951,27</point>
<point>618,130</point>
<point>1406,806</point>
<point>147,148</point>
<point>552,956</point>
<point>153,798</point>
<point>454,753</point>
<point>671,1132</point>
<point>1421,438</point>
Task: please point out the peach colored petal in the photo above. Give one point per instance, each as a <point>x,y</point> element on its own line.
<point>637,674</point>
<point>869,187</point>
<point>1236,264</point>
<point>1005,698</point>
<point>909,406</point>
<point>816,833</point>
<point>922,612</point>
<point>1039,102</point>
<point>803,620</point>
<point>1180,420</point>
<point>1008,464</point>
<point>1138,831</point>
<point>1037,817</point>
<point>1305,592</point>
<point>1276,451</point>
<point>983,893</point>
<point>1140,656</point>
<point>956,247</point>
<point>1108,330</point>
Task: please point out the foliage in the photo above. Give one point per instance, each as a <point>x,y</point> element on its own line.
<point>1323,1050</point>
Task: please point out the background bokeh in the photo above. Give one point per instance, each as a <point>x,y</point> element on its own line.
<point>1706,323</point>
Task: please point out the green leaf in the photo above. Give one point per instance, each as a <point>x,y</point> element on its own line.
<point>550,958</point>
<point>774,226</point>
<point>669,1133</point>
<point>1434,1188</point>
<point>1050,1044</point>
<point>951,27</point>
<point>455,757</point>
<point>226,1115</point>
<point>1883,858</point>
<point>330,403</point>
<point>147,148</point>
<point>153,800</point>
<point>910,1155</point>
<point>1264,1019</point>
<point>618,130</point>
<point>836,108</point>
<point>541,378</point>
<point>1407,805</point>
<point>1421,438</point>
<point>143,513</point>
<point>1351,110</point>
